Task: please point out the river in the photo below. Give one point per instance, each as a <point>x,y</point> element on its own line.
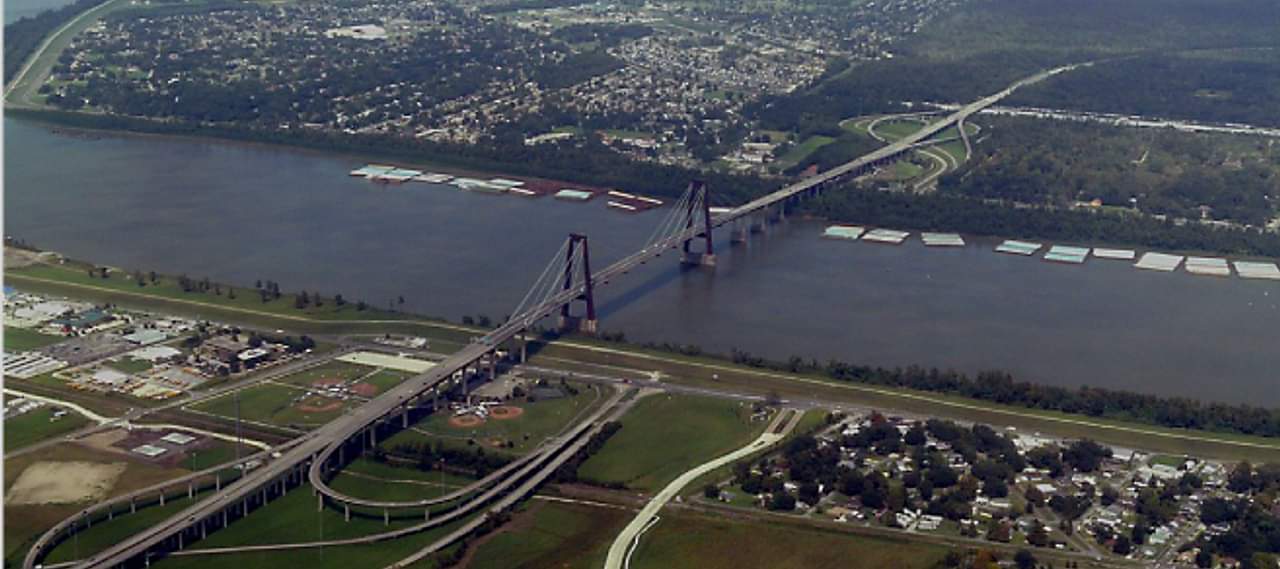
<point>239,213</point>
<point>17,9</point>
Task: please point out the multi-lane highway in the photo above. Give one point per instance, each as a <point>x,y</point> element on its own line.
<point>316,447</point>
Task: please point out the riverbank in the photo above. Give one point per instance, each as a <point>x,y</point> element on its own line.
<point>356,157</point>
<point>707,372</point>
<point>592,164</point>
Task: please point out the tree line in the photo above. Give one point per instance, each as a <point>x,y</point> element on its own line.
<point>23,37</point>
<point>940,212</point>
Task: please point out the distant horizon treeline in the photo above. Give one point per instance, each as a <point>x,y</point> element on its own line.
<point>1001,387</point>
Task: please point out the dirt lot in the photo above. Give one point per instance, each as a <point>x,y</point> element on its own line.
<point>64,482</point>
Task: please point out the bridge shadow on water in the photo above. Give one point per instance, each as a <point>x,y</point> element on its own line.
<point>633,294</point>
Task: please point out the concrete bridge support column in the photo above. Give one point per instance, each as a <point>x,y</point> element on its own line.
<point>111,513</point>
<point>191,491</point>
<point>346,512</point>
<point>88,521</point>
<point>319,502</point>
<point>739,232</point>
<point>524,348</point>
<point>493,365</point>
<point>133,506</point>
<point>217,482</point>
<point>180,534</point>
<point>404,417</point>
<point>386,517</point>
<point>226,514</point>
<point>204,529</point>
<point>162,497</point>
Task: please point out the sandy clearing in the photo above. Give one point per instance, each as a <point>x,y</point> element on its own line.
<point>64,482</point>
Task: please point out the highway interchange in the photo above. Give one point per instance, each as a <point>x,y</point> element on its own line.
<point>315,450</point>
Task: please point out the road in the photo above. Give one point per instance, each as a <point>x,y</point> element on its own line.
<point>21,78</point>
<point>318,446</point>
<point>620,551</point>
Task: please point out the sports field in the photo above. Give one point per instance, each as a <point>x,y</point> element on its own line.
<point>275,404</point>
<point>525,428</point>
<point>665,435</point>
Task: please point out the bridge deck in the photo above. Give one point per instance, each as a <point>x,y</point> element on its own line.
<point>323,440</point>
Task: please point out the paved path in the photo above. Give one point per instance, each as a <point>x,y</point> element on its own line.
<point>620,551</point>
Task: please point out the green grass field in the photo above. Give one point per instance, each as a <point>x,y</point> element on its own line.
<point>129,365</point>
<point>92,539</point>
<point>906,170</point>
<point>681,541</point>
<point>385,379</point>
<point>331,370</point>
<point>801,151</point>
<point>24,340</point>
<point>665,435</point>
<point>540,420</point>
<point>246,298</point>
<point>24,523</point>
<point>563,536</point>
<point>294,518</point>
<point>38,425</point>
<point>718,374</point>
<point>274,404</point>
<point>894,129</point>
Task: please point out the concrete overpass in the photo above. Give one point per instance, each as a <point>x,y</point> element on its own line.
<point>325,448</point>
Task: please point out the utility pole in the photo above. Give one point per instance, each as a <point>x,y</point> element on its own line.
<point>238,431</point>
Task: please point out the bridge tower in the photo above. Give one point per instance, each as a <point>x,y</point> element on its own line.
<point>698,213</point>
<point>578,245</point>
<point>566,280</point>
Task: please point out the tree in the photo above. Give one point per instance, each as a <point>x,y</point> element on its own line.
<point>1024,559</point>
<point>782,501</point>
<point>1039,536</point>
<point>1204,559</point>
<point>1140,532</point>
<point>711,492</point>
<point>915,436</point>
<point>1109,495</point>
<point>1123,545</point>
<point>1241,478</point>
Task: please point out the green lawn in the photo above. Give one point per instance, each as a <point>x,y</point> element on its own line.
<point>331,370</point>
<point>563,536</point>
<point>294,518</point>
<point>24,340</point>
<point>38,425</point>
<point>372,472</point>
<point>385,379</point>
<point>894,129</point>
<point>129,365</point>
<point>681,541</point>
<point>540,420</point>
<point>665,435</point>
<point>24,523</point>
<point>103,534</point>
<point>246,298</point>
<point>274,404</point>
<point>906,170</point>
<point>801,151</point>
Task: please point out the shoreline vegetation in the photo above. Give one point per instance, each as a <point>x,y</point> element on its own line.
<point>919,212</point>
<point>997,389</point>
